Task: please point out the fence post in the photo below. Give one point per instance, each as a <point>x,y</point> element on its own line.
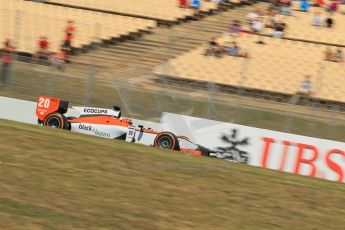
<point>16,44</point>
<point>331,130</point>
<point>94,69</point>
<point>317,89</point>
<point>243,76</point>
<point>90,83</point>
<point>50,82</point>
<point>123,96</point>
<point>210,107</point>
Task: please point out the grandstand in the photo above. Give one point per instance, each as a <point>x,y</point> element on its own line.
<point>27,21</point>
<point>274,70</point>
<point>299,27</point>
<point>142,55</point>
<point>279,66</point>
<point>125,49</point>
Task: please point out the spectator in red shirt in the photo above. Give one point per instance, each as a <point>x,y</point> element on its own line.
<point>319,3</point>
<point>69,34</point>
<point>183,3</point>
<point>43,43</point>
<point>43,48</point>
<point>7,57</point>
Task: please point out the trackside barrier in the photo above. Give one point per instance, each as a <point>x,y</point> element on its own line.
<point>286,152</point>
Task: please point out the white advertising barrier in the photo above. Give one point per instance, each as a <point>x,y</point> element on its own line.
<point>17,110</point>
<point>22,111</point>
<point>264,148</point>
<point>25,111</point>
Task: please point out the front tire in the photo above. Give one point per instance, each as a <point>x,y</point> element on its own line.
<point>167,141</point>
<point>56,120</point>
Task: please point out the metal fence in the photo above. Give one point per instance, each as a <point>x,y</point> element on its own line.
<point>140,98</point>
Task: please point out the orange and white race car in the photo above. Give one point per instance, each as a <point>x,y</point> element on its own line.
<point>108,123</point>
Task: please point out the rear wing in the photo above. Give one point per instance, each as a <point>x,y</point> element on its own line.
<point>47,105</point>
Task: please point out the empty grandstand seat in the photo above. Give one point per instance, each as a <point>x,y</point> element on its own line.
<point>158,9</point>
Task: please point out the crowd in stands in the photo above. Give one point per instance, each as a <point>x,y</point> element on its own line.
<point>272,18</point>
<point>57,59</point>
<point>196,4</point>
<point>217,50</point>
<point>43,54</point>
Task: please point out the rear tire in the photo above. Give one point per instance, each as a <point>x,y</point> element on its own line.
<point>167,141</point>
<point>56,120</point>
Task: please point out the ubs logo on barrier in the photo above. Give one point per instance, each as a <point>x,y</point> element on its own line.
<point>233,151</point>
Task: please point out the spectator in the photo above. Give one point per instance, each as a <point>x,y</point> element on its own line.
<point>235,51</point>
<point>304,5</point>
<point>253,16</point>
<point>273,7</point>
<point>333,7</point>
<point>319,3</point>
<point>339,56</point>
<point>285,2</point>
<point>271,19</point>
<point>7,58</point>
<point>304,90</point>
<point>329,55</point>
<point>329,22</point>
<point>43,46</point>
<point>278,31</point>
<point>258,25</point>
<point>317,20</point>
<point>306,87</point>
<point>285,7</point>
<point>183,3</point>
<point>195,4</point>
<point>214,48</point>
<point>69,34</point>
<point>235,28</point>
<point>213,44</point>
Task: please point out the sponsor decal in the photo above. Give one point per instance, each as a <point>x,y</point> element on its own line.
<point>232,150</point>
<point>286,152</point>
<point>85,127</point>
<point>305,154</point>
<point>101,134</point>
<point>95,132</point>
<point>95,111</point>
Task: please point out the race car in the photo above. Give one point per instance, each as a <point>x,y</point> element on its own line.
<point>108,123</point>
